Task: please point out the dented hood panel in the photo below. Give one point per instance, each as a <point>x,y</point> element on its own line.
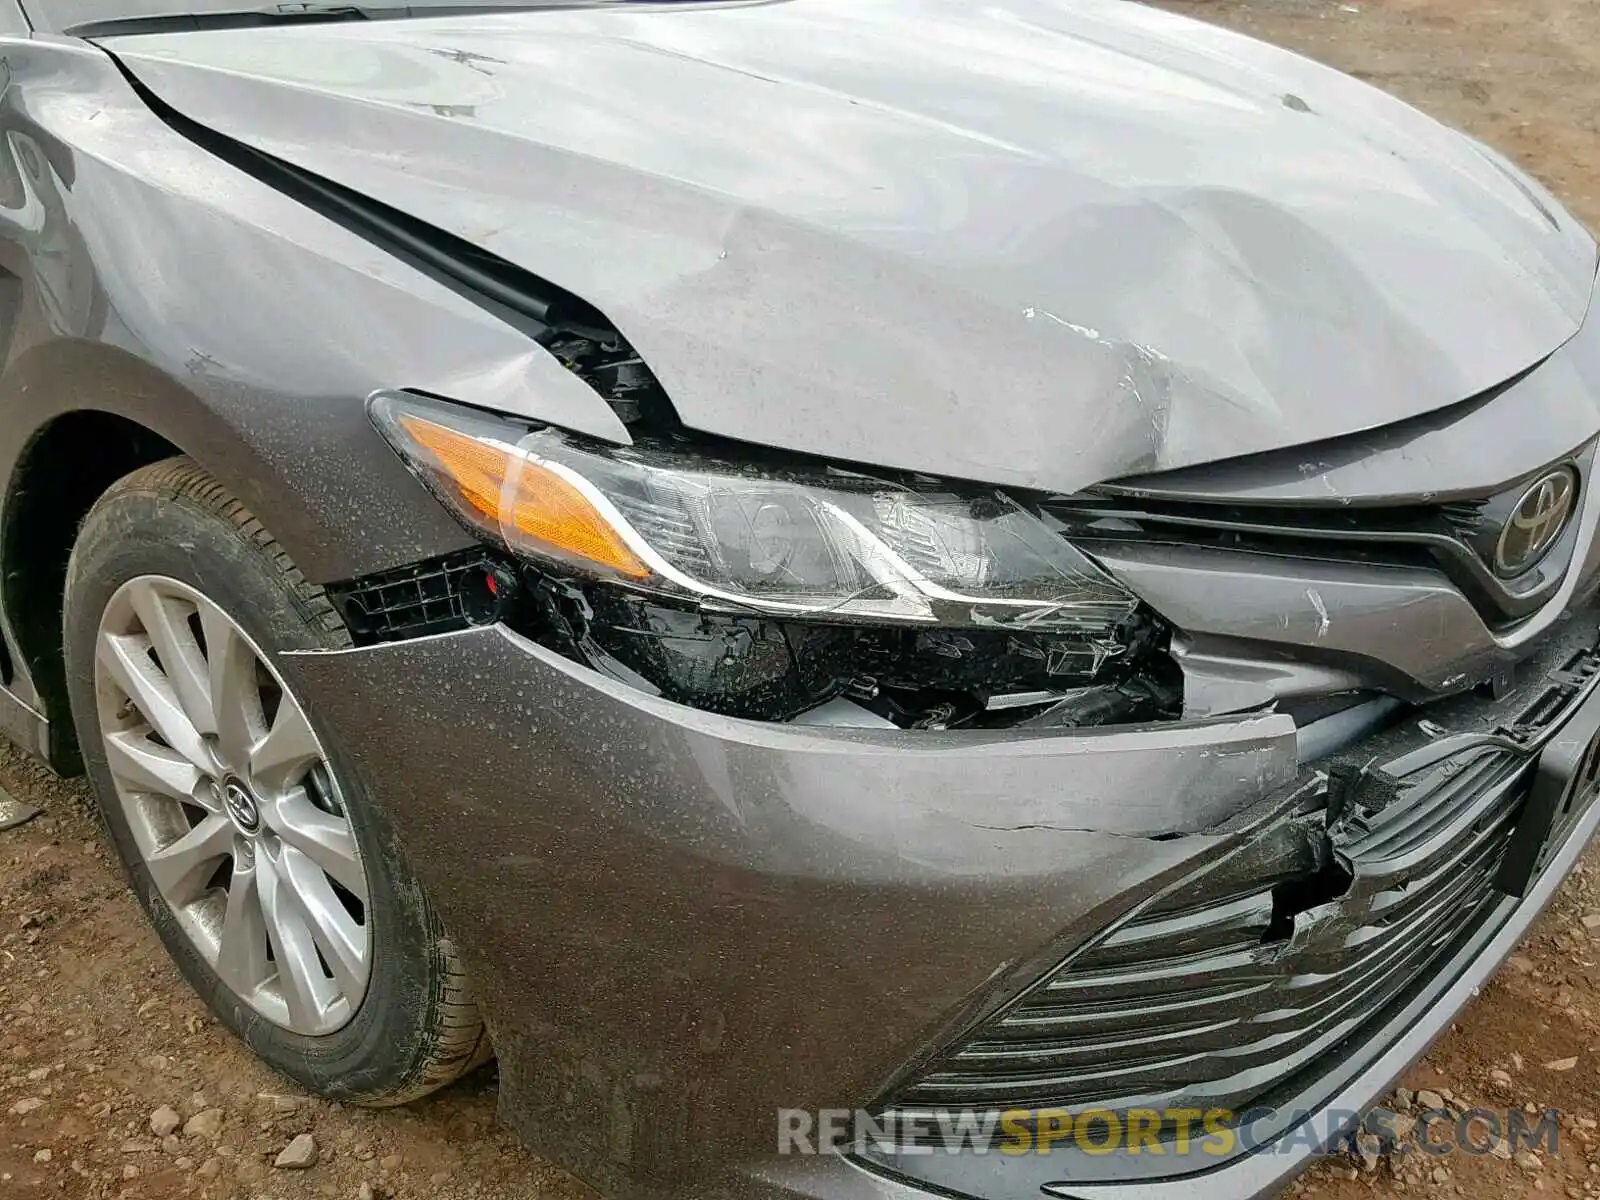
<point>1024,242</point>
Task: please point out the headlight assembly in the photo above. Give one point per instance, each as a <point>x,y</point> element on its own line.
<point>824,543</point>
<point>809,563</point>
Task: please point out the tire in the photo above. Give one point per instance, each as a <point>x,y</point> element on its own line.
<point>401,1021</point>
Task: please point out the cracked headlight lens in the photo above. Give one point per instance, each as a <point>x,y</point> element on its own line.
<point>751,536</point>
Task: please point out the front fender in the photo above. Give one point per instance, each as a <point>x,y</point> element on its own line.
<point>170,288</point>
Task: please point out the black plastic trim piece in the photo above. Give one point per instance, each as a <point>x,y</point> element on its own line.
<point>438,595</point>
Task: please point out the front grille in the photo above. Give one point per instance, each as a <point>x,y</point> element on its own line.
<point>1257,969</point>
<point>1455,538</point>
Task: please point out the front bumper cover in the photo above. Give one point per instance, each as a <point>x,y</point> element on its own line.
<point>679,923</point>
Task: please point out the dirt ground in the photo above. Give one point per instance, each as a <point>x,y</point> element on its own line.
<point>97,1032</point>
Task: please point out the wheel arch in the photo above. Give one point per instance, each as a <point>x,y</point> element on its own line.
<point>65,468</point>
<point>92,413</point>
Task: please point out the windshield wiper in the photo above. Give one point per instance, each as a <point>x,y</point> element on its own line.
<point>299,12</point>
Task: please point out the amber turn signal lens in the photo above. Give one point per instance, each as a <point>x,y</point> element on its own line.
<point>541,508</point>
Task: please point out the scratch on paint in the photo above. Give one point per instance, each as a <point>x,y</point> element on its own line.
<point>1092,334</point>
<point>1322,612</point>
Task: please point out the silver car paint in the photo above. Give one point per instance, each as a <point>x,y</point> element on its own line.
<point>1032,243</point>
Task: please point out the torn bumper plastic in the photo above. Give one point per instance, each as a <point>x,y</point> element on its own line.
<point>679,923</point>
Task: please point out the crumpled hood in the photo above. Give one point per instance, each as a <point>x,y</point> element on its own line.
<point>1039,244</point>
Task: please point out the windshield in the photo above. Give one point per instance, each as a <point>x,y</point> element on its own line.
<point>95,17</point>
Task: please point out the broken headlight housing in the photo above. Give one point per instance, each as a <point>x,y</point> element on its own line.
<point>764,588</point>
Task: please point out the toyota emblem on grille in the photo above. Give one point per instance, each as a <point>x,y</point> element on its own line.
<point>1536,523</point>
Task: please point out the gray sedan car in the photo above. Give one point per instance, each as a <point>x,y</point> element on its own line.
<point>881,598</point>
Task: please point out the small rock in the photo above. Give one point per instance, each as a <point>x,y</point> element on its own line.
<point>26,1105</point>
<point>165,1120</point>
<point>130,1171</point>
<point>206,1123</point>
<point>280,1103</point>
<point>1591,921</point>
<point>1404,1098</point>
<point>1440,1175</point>
<point>1500,1077</point>
<point>298,1154</point>
<point>389,1163</point>
<point>1429,1099</point>
<point>1404,1126</point>
<point>1528,1161</point>
<point>172,1144</point>
<point>211,1167</point>
<point>365,1192</point>
<point>1367,1147</point>
<point>1561,1064</point>
<point>1501,1150</point>
<point>183,1163</point>
<point>42,1156</point>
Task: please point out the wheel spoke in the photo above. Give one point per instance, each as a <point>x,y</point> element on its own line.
<point>242,947</point>
<point>125,659</point>
<point>182,869</point>
<point>288,751</point>
<point>144,766</point>
<point>325,839</point>
<point>167,625</point>
<point>305,988</point>
<point>235,698</point>
<point>343,942</point>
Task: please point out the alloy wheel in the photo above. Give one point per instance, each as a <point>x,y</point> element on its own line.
<point>233,806</point>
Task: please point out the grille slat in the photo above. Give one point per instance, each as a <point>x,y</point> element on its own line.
<point>1232,925</point>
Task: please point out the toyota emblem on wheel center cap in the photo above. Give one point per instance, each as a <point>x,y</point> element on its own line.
<point>241,806</point>
<point>1536,523</point>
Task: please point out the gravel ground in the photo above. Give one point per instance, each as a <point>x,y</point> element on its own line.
<point>115,1081</point>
